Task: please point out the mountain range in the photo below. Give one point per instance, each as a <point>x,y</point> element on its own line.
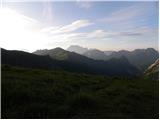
<point>61,59</point>
<point>57,84</point>
<point>84,60</point>
<point>140,58</point>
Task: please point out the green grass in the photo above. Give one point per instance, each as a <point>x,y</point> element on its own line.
<point>28,93</point>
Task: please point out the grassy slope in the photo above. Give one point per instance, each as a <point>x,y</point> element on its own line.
<point>28,93</point>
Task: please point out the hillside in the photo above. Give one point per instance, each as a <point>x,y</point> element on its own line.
<point>95,54</point>
<point>35,93</point>
<point>141,58</point>
<point>54,59</point>
<point>152,71</point>
<point>24,59</point>
<point>115,66</point>
<point>29,60</point>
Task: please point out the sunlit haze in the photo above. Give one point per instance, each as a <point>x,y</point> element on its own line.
<point>102,25</point>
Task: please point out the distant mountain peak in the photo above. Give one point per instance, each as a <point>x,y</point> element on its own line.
<point>150,49</point>
<point>77,49</point>
<point>58,49</point>
<point>95,54</point>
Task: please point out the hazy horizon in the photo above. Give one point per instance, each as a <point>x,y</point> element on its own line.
<point>101,25</point>
<point>25,50</point>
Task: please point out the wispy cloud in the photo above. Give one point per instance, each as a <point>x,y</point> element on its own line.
<point>84,4</point>
<point>104,34</point>
<point>66,33</point>
<point>128,14</point>
<point>69,33</point>
<point>47,12</point>
<point>76,25</point>
<point>68,28</point>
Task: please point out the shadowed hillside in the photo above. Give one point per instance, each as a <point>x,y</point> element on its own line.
<point>69,61</point>
<point>28,93</point>
<point>141,58</point>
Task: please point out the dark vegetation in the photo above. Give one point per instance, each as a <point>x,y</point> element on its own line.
<point>37,93</point>
<point>60,84</point>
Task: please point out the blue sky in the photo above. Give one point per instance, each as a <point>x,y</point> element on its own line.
<point>103,25</point>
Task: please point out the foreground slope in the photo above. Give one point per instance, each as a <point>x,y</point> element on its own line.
<point>31,93</point>
<point>152,71</point>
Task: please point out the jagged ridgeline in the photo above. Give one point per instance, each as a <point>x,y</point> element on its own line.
<point>64,60</point>
<point>141,58</point>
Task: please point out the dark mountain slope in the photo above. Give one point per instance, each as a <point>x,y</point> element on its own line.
<point>141,58</point>
<point>63,55</point>
<point>95,54</point>
<point>24,59</point>
<point>54,59</point>
<point>57,53</point>
<point>120,66</point>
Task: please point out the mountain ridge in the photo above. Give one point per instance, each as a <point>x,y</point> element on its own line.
<point>141,58</point>
<point>74,62</point>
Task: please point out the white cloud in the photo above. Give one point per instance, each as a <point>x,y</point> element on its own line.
<point>61,35</point>
<point>68,28</point>
<point>64,34</point>
<point>76,25</point>
<point>98,34</point>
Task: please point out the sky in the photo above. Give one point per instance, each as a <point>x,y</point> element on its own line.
<point>112,25</point>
